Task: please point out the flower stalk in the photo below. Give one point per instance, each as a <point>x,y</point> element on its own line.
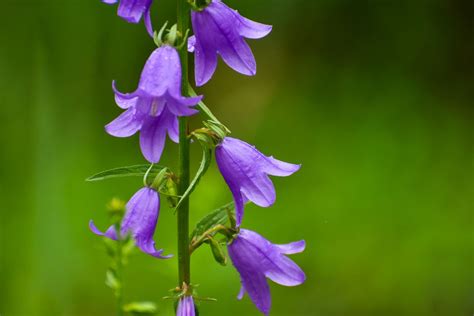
<point>184,262</point>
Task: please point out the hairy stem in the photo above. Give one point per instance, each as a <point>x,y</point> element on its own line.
<point>183,11</point>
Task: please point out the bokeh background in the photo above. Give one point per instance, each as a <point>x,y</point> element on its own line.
<point>374,98</point>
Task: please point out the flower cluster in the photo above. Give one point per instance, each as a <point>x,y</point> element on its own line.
<point>153,110</point>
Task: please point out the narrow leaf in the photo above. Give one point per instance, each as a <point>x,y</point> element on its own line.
<point>205,163</point>
<point>129,171</point>
<point>218,217</point>
<point>140,308</point>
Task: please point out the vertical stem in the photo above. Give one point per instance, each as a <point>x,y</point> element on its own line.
<point>183,11</point>
<point>119,272</point>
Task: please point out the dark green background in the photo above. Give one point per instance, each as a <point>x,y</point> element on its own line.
<point>374,98</point>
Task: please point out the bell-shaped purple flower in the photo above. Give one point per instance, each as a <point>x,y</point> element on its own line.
<point>154,107</point>
<point>139,221</point>
<point>256,259</point>
<point>186,306</point>
<point>221,30</point>
<point>246,171</point>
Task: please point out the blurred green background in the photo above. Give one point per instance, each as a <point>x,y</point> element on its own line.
<point>374,98</point>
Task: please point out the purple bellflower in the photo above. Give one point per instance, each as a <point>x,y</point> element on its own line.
<point>154,107</point>
<point>186,306</point>
<point>256,259</point>
<point>132,11</point>
<point>139,221</point>
<point>221,30</point>
<point>246,171</point>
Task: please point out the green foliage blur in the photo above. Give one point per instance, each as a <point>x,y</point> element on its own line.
<point>374,98</point>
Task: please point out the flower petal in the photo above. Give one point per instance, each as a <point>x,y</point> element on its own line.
<point>205,55</point>
<point>241,292</point>
<point>228,42</point>
<point>186,306</point>
<point>127,124</point>
<point>254,282</point>
<point>191,43</point>
<point>148,23</point>
<point>162,72</point>
<point>279,168</point>
<point>152,139</point>
<point>276,266</point>
<point>252,29</point>
<point>133,10</point>
<point>173,131</point>
<point>109,233</point>
<point>226,167</point>
<point>110,1</point>
<point>292,248</point>
<point>125,103</point>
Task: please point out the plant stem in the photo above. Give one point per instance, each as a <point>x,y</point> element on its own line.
<point>119,272</point>
<point>183,12</point>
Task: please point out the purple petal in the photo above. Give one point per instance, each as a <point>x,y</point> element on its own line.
<point>133,10</point>
<point>162,73</point>
<point>247,262</point>
<point>225,164</point>
<point>127,124</point>
<point>292,248</point>
<point>141,218</point>
<point>205,54</point>
<point>191,43</point>
<point>173,131</point>
<point>152,139</point>
<point>279,168</point>
<point>252,29</point>
<point>110,1</point>
<point>180,106</point>
<point>148,24</point>
<point>186,306</point>
<point>228,42</point>
<point>110,232</point>
<point>123,96</point>
<point>125,103</point>
<point>241,293</point>
<point>276,266</point>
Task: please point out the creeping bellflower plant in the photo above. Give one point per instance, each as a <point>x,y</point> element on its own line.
<point>221,30</point>
<point>161,106</point>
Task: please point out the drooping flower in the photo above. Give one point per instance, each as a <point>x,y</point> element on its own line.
<point>256,259</point>
<point>221,30</point>
<point>132,11</point>
<point>154,107</point>
<point>139,221</point>
<point>186,306</point>
<point>246,171</point>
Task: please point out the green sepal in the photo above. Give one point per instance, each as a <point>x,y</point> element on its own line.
<point>217,251</point>
<point>128,171</point>
<point>140,308</point>
<point>218,217</point>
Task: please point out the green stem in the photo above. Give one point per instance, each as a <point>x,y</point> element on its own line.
<point>119,272</point>
<point>183,13</point>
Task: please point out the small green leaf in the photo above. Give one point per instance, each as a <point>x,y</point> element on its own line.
<point>130,171</point>
<point>111,280</point>
<point>217,252</point>
<point>140,308</point>
<point>218,217</point>
<point>205,163</point>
